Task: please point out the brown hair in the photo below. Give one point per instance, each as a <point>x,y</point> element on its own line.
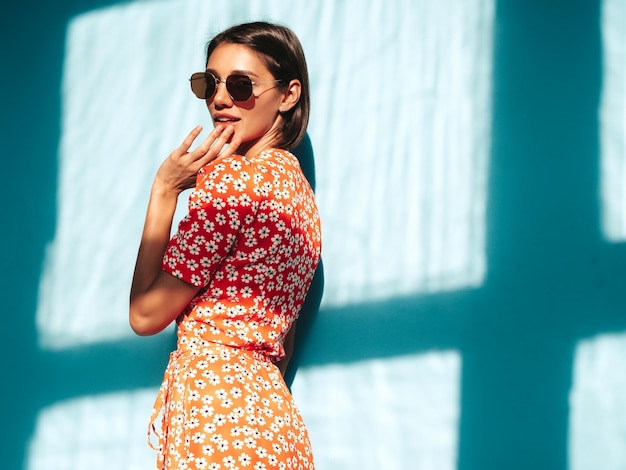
<point>283,56</point>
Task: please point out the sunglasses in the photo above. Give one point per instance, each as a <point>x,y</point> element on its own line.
<point>239,87</point>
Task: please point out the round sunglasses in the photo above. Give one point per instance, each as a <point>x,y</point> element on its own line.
<point>239,87</point>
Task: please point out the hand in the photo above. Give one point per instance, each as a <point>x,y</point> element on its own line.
<point>178,171</point>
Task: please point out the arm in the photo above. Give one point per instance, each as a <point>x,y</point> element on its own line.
<point>157,297</point>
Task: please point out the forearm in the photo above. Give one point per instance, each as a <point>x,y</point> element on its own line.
<point>152,303</point>
<point>154,239</point>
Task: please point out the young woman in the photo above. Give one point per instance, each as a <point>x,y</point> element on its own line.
<point>237,271</point>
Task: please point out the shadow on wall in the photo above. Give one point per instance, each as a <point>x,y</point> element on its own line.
<point>552,280</point>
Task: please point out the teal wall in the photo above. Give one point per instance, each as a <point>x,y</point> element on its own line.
<point>33,42</point>
<point>552,279</point>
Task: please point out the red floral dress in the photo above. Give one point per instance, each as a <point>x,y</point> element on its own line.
<point>251,240</point>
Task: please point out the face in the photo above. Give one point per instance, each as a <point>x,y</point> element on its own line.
<point>257,121</point>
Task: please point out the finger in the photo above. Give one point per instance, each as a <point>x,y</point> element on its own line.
<point>216,146</point>
<point>223,138</point>
<point>231,147</point>
<point>209,141</point>
<point>186,144</point>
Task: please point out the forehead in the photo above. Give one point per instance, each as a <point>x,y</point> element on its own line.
<point>228,58</point>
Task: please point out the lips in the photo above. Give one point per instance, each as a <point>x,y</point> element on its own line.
<point>226,118</point>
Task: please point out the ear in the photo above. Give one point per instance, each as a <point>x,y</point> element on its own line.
<point>291,96</point>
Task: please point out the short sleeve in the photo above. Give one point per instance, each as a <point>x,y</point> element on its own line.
<point>222,203</point>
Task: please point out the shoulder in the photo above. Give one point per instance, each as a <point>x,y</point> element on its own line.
<point>221,166</point>
<point>249,171</point>
<point>277,160</point>
<point>282,156</point>
<point>247,164</point>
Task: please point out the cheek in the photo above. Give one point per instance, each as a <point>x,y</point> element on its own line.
<point>260,119</point>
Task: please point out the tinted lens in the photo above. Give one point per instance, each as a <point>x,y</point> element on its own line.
<point>202,85</point>
<point>239,87</point>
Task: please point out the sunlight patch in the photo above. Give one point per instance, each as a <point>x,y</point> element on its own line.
<point>613,120</point>
<point>597,437</point>
<point>97,433</point>
<point>396,413</point>
<point>400,129</point>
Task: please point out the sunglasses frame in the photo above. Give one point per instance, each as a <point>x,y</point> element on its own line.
<point>228,82</point>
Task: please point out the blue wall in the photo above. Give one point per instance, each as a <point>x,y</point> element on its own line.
<point>552,279</point>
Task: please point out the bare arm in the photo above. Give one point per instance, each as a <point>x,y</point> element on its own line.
<point>157,297</point>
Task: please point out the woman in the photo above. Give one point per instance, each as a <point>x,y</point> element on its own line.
<point>237,271</point>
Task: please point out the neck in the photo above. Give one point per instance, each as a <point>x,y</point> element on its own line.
<point>266,141</point>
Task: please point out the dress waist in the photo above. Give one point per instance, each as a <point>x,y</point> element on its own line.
<point>197,346</point>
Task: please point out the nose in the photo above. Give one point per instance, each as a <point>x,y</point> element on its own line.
<point>222,99</point>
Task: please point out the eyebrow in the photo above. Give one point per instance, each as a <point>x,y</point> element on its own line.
<point>237,72</point>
